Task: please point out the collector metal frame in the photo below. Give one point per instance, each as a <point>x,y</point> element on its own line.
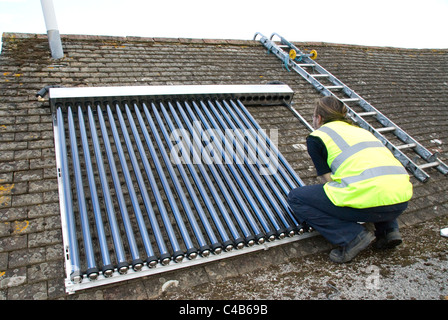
<point>248,94</point>
<point>61,99</point>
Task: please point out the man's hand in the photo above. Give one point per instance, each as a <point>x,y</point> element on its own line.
<point>326,177</point>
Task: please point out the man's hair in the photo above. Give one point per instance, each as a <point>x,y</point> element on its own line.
<point>331,109</point>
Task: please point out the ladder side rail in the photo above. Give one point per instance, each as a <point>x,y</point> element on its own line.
<point>286,42</point>
<point>386,122</point>
<point>404,159</point>
<point>401,134</point>
<point>407,139</point>
<point>275,49</point>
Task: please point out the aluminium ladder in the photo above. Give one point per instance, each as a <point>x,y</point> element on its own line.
<point>311,71</point>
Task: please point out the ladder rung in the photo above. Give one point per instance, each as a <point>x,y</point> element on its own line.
<point>334,87</point>
<point>306,65</point>
<point>406,146</point>
<point>349,99</point>
<point>366,114</point>
<point>429,165</point>
<point>320,75</point>
<point>386,129</point>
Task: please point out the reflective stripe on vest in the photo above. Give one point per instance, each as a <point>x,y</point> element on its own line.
<point>364,172</point>
<point>369,174</point>
<point>346,150</point>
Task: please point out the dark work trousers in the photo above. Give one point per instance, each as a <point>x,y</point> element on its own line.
<point>339,225</point>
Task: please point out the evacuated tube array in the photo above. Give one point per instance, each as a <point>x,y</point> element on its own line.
<point>156,182</point>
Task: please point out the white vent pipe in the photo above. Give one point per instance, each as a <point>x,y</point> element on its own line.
<point>54,38</point>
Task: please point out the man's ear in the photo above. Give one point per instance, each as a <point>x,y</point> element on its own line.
<point>317,121</point>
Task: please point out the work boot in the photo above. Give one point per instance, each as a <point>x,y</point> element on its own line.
<point>388,239</point>
<point>347,253</point>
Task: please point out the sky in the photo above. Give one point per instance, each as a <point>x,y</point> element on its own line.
<point>393,23</point>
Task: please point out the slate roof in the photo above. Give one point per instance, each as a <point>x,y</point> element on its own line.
<point>410,86</point>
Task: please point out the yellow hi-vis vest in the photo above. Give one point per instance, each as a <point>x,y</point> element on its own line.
<point>365,173</point>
